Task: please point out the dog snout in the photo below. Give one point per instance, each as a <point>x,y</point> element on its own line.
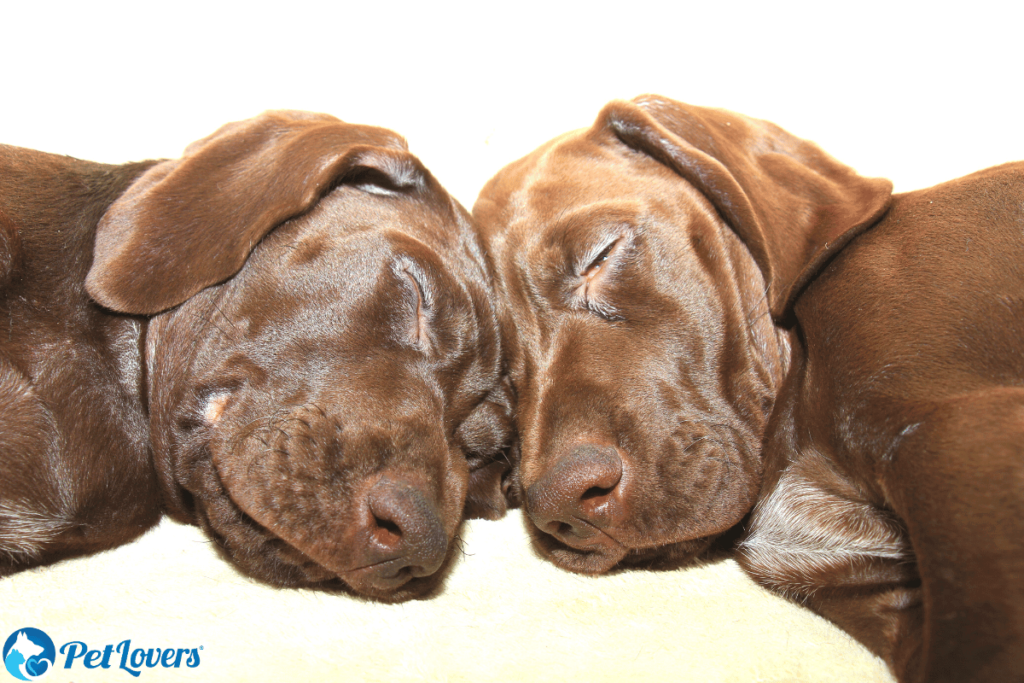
<point>580,496</point>
<point>405,537</point>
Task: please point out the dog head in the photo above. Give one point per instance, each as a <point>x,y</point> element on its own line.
<point>323,361</point>
<point>642,262</point>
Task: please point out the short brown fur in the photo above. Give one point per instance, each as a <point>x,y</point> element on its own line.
<point>293,346</point>
<point>710,318</point>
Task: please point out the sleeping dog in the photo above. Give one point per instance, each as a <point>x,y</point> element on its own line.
<point>709,318</point>
<point>284,336</point>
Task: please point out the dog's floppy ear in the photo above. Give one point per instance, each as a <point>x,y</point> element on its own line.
<point>190,223</point>
<point>793,205</point>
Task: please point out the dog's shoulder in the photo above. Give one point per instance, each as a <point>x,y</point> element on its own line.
<point>39,187</point>
<point>988,197</point>
<point>49,207</point>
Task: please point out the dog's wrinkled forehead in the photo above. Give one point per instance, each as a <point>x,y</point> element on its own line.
<point>585,177</point>
<point>553,175</point>
<point>557,211</point>
<point>360,271</point>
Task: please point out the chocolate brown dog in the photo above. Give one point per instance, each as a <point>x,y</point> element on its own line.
<point>292,321</point>
<point>708,316</point>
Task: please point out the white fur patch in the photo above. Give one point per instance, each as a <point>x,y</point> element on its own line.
<point>31,439</point>
<point>25,531</point>
<point>215,407</point>
<point>800,534</point>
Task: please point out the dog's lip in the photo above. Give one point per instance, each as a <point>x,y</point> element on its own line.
<point>596,538</point>
<point>380,578</point>
<point>583,561</point>
<point>599,561</point>
<point>598,554</point>
<point>377,579</point>
<point>371,565</point>
<point>403,585</point>
<point>371,579</point>
<point>603,552</point>
<point>367,582</point>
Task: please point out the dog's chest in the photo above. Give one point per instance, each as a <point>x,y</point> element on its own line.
<point>808,533</point>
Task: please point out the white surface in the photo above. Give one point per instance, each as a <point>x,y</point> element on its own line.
<point>503,615</point>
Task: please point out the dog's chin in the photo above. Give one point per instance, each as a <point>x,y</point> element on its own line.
<point>670,556</point>
<point>282,566</point>
<point>416,588</point>
<point>601,560</point>
<point>364,584</point>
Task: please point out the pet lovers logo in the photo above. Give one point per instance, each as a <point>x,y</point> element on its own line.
<point>29,654</point>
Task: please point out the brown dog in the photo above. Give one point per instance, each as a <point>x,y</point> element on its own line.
<point>877,424</point>
<point>294,325</point>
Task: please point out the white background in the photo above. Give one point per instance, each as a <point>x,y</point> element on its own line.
<point>919,92</point>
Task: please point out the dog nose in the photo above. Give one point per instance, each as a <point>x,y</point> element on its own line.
<point>579,495</point>
<point>405,534</point>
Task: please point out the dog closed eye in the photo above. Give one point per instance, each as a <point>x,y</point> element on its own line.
<point>420,304</point>
<point>594,281</point>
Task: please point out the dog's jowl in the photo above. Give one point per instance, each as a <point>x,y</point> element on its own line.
<point>284,336</point>
<point>709,318</point>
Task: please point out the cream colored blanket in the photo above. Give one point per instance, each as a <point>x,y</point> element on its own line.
<point>504,614</point>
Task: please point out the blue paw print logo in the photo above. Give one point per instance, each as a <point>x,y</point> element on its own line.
<point>29,654</point>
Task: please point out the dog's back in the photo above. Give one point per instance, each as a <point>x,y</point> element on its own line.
<point>900,436</point>
<point>929,303</point>
<point>71,393</point>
